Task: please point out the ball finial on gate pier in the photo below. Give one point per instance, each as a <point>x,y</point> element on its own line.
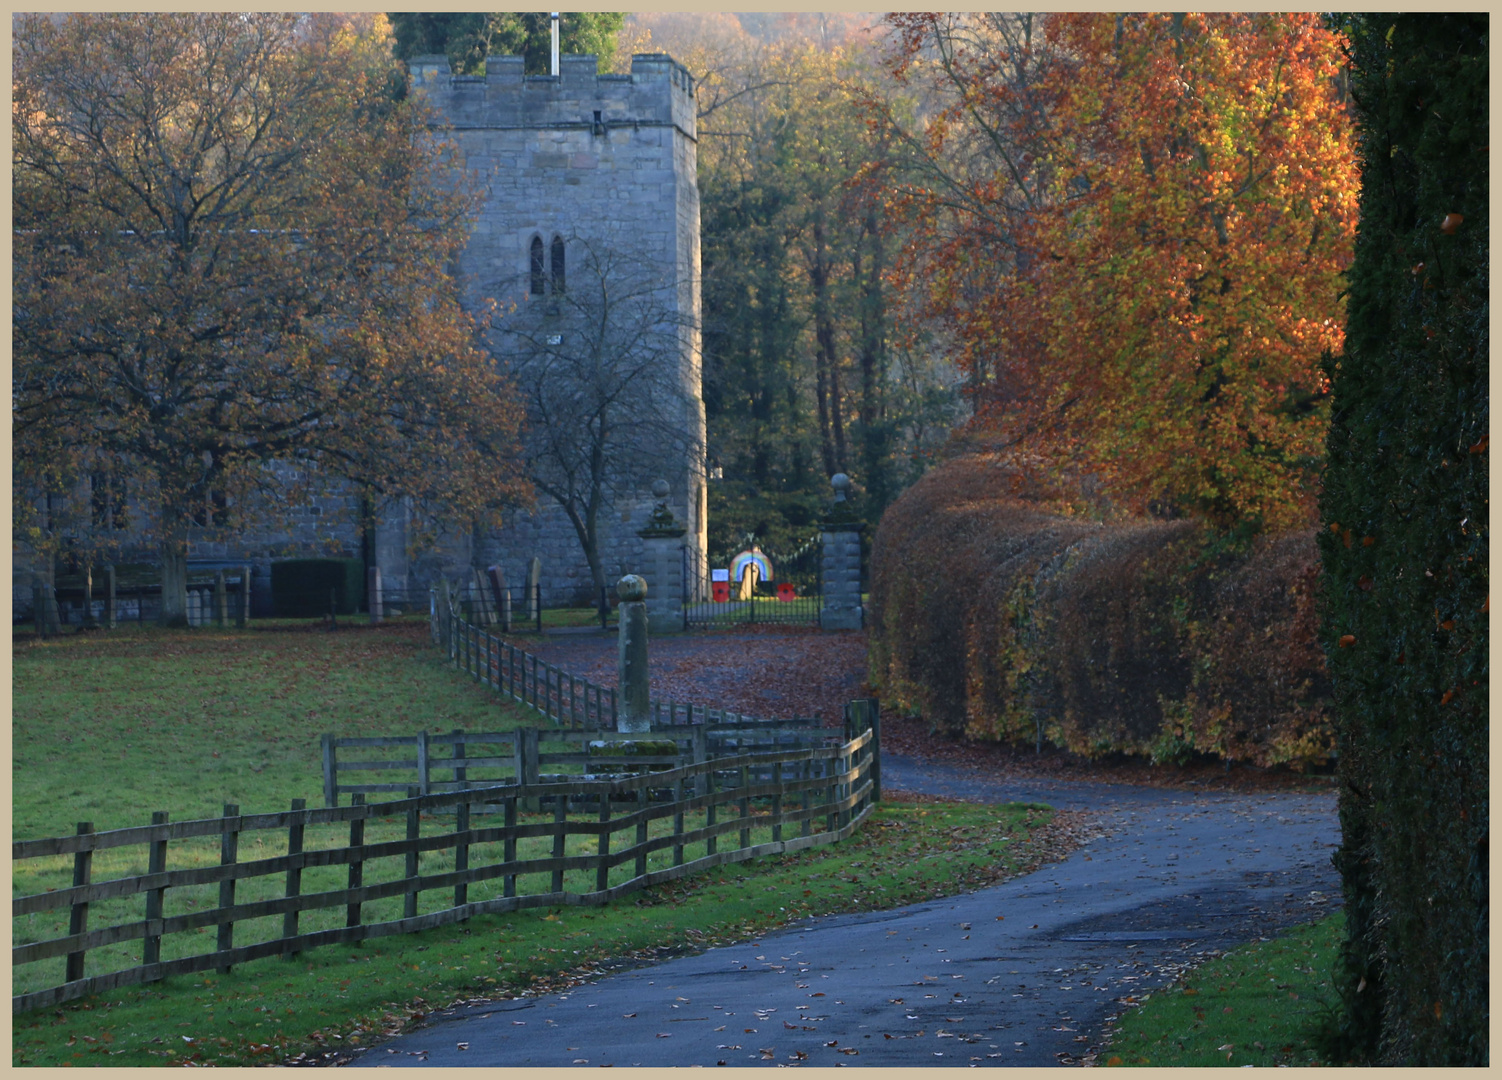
<point>632,588</point>
<point>841,484</point>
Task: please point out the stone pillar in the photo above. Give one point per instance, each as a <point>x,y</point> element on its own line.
<point>534,579</point>
<point>634,688</point>
<point>373,594</point>
<point>841,568</point>
<point>195,608</point>
<point>662,547</point>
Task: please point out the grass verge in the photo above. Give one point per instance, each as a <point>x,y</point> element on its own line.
<point>333,1003</point>
<point>1259,1005</point>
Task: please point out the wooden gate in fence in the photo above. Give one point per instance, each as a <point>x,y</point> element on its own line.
<point>250,886</point>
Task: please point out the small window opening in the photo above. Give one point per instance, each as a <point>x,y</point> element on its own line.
<point>538,269</point>
<point>558,265</point>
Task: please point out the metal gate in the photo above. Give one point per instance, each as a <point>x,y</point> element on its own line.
<point>792,597</point>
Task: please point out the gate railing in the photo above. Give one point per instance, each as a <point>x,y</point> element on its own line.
<point>566,699</point>
<point>701,609</point>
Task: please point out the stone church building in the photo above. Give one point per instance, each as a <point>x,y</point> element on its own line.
<point>580,158</point>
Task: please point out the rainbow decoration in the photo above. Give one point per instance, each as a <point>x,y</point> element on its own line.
<point>740,562</point>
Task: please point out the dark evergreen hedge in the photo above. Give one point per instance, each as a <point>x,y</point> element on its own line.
<point>300,587</point>
<point>1404,548</point>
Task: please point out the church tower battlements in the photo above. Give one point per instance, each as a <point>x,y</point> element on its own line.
<point>582,158</point>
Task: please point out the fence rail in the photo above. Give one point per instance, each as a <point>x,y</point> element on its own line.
<point>674,822</point>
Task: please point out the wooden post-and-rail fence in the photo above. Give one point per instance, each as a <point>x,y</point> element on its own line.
<point>348,873</point>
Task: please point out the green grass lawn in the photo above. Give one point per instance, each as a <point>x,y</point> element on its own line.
<point>111,726</point>
<point>1262,1004</point>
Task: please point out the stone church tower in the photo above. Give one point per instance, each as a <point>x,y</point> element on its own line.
<point>567,161</point>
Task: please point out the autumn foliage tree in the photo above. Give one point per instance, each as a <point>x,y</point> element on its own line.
<point>1144,283</point>
<point>231,252</point>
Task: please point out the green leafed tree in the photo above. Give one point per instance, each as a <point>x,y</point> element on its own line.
<point>467,38</point>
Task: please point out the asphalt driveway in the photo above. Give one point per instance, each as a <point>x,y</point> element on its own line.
<point>1027,972</point>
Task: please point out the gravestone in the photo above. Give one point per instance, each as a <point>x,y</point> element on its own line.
<point>501,595</point>
<point>484,609</point>
<point>631,667</point>
<point>242,617</point>
<point>534,581</point>
<point>373,594</point>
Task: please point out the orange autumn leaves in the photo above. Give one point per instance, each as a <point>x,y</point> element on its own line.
<point>1177,276</point>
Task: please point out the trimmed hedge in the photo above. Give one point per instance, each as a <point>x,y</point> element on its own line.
<point>994,618</point>
<point>300,587</point>
<point>1405,548</point>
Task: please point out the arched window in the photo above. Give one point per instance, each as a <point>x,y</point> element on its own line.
<point>557,264</point>
<point>539,270</point>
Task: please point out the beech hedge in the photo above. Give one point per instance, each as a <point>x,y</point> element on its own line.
<point>994,618</point>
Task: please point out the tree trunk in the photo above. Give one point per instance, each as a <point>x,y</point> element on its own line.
<point>827,380</point>
<point>873,362</point>
<point>173,549</point>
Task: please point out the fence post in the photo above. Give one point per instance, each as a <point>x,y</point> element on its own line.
<point>229,847</point>
<point>356,866</point>
<point>78,918</point>
<point>777,801</point>
<point>294,876</point>
<point>745,806</point>
<point>701,755</point>
<point>560,823</point>
<point>461,773</point>
<point>530,765</point>
<point>508,853</point>
<point>712,843</point>
<point>111,607</point>
<point>641,838</point>
<point>678,797</point>
<point>461,845</point>
<point>807,771</point>
<point>873,714</point>
<point>602,871</point>
<point>422,762</point>
<point>151,949</point>
<point>414,829</point>
<point>330,770</point>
